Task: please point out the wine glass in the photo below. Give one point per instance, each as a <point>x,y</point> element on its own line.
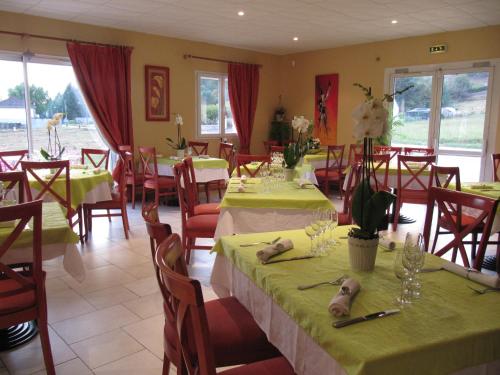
<point>402,274</point>
<point>311,233</point>
<point>333,222</point>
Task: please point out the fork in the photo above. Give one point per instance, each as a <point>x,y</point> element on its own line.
<point>262,242</point>
<point>485,290</point>
<point>338,281</point>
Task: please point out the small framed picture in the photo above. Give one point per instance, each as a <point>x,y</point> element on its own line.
<point>157,93</point>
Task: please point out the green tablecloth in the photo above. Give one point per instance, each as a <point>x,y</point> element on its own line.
<point>300,171</point>
<point>320,156</point>
<point>287,196</point>
<point>487,189</point>
<point>55,228</point>
<point>81,182</point>
<point>450,328</point>
<point>198,163</point>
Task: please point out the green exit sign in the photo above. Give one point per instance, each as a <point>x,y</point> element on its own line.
<point>439,48</point>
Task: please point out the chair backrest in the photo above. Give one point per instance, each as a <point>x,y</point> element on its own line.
<point>449,203</point>
<point>179,176</point>
<point>60,169</point>
<point>190,184</point>
<point>243,159</point>
<point>379,175</point>
<point>414,167</point>
<point>280,149</point>
<point>10,160</point>
<point>334,158</point>
<point>391,150</point>
<point>148,162</point>
<point>444,176</point>
<point>97,158</point>
<point>199,148</point>
<point>352,182</point>
<point>427,151</point>
<point>21,214</point>
<point>269,144</point>
<point>496,165</point>
<point>353,150</point>
<point>121,186</point>
<point>186,304</point>
<point>226,152</point>
<point>128,165</point>
<point>12,179</point>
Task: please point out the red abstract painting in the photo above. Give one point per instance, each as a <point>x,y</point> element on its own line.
<point>326,108</point>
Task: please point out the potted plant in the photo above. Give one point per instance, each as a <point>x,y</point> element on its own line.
<point>54,150</point>
<point>180,145</point>
<point>369,206</point>
<point>295,151</point>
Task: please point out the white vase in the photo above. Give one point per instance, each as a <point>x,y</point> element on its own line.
<point>362,253</point>
<point>180,153</point>
<point>289,174</point>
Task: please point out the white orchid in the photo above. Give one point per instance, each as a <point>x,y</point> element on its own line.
<point>178,120</point>
<point>56,120</point>
<point>370,119</point>
<point>300,124</point>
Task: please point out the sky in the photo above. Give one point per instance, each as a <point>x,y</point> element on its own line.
<point>53,78</point>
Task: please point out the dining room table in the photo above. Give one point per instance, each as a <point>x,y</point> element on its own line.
<point>450,329</point>
<point>285,205</point>
<point>206,168</point>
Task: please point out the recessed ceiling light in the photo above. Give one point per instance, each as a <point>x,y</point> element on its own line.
<point>241,13</point>
<point>394,21</point>
<point>295,38</point>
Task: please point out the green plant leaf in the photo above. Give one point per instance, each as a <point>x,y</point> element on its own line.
<point>359,200</point>
<point>44,154</point>
<point>375,210</point>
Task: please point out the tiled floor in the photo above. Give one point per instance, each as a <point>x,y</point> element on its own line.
<point>112,322</point>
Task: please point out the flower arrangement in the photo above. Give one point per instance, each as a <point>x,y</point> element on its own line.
<point>295,150</point>
<point>54,149</point>
<point>181,141</point>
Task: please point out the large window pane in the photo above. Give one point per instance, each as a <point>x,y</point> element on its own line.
<point>229,127</point>
<point>13,131</point>
<point>209,105</point>
<point>53,89</point>
<point>412,111</point>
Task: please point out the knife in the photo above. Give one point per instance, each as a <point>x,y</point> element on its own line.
<point>380,314</point>
<point>288,259</point>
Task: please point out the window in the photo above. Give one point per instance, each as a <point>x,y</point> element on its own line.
<point>52,88</point>
<point>214,111</point>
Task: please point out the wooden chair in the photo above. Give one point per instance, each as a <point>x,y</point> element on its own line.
<point>193,227</point>
<point>353,150</point>
<point>279,149</point>
<point>450,203</point>
<point>496,164</point>
<point>11,160</point>
<point>333,170</point>
<point>425,151</point>
<point>391,150</point>
<point>97,158</point>
<point>132,179</point>
<point>226,152</point>
<point>199,148</point>
<point>118,202</point>
<point>22,293</point>
<point>415,189</point>
<point>194,205</point>
<point>243,159</point>
<point>12,179</point>
<point>379,175</point>
<point>61,170</point>
<point>161,185</point>
<point>208,335</point>
<point>268,145</point>
<point>353,178</point>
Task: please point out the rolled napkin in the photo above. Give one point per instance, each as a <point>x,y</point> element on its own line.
<point>387,243</point>
<point>272,250</point>
<point>341,304</point>
<point>243,178</point>
<point>474,275</point>
<point>204,156</point>
<point>97,170</point>
<point>303,183</point>
<point>481,187</point>
<point>50,175</point>
<point>241,188</point>
<point>79,166</point>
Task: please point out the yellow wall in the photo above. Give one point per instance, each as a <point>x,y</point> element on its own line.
<point>153,50</point>
<point>358,63</point>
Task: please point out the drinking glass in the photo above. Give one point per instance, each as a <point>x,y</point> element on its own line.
<point>402,274</point>
<point>311,233</point>
<point>333,222</point>
<point>190,151</point>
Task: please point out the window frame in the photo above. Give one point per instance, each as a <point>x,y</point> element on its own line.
<point>221,77</point>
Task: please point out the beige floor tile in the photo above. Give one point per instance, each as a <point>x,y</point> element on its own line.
<point>105,348</point>
<point>141,271</point>
<point>55,285</point>
<point>109,297</point>
<point>143,287</point>
<point>66,304</point>
<point>91,260</point>
<point>73,367</point>
<point>99,278</point>
<point>94,323</point>
<point>141,363</point>
<point>146,306</point>
<point>122,257</point>
<point>149,332</point>
<point>29,358</point>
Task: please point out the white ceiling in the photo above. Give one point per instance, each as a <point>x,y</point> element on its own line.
<point>270,25</point>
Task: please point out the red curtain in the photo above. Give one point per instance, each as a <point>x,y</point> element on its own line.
<point>103,73</point>
<point>243,86</point>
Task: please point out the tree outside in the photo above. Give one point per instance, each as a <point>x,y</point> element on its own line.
<point>39,97</point>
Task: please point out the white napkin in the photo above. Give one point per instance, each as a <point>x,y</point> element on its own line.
<point>79,166</point>
<point>97,170</point>
<point>243,178</point>
<point>341,303</point>
<point>241,188</point>
<point>50,175</point>
<point>303,183</point>
<point>478,277</point>
<point>272,250</point>
<point>204,156</point>
<point>387,243</point>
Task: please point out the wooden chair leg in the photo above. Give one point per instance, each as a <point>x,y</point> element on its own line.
<point>125,222</point>
<point>80,223</point>
<point>189,244</point>
<point>474,245</point>
<point>436,234</point>
<point>396,214</point>
<point>47,352</point>
<point>133,196</point>
<point>207,192</point>
<point>109,216</point>
<point>166,365</point>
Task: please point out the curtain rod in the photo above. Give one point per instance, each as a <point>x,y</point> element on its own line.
<point>187,56</point>
<point>38,36</point>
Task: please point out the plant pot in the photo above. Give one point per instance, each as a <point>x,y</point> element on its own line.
<point>362,253</point>
<point>180,153</point>
<point>289,174</point>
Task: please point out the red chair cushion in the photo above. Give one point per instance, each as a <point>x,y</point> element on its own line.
<point>332,175</point>
<point>139,179</point>
<point>275,366</point>
<point>344,219</point>
<point>205,224</point>
<point>465,220</point>
<point>235,336</point>
<point>207,209</point>
<point>163,182</point>
<point>16,302</point>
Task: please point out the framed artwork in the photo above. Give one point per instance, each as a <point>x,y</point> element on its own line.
<point>326,108</point>
<point>157,93</point>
